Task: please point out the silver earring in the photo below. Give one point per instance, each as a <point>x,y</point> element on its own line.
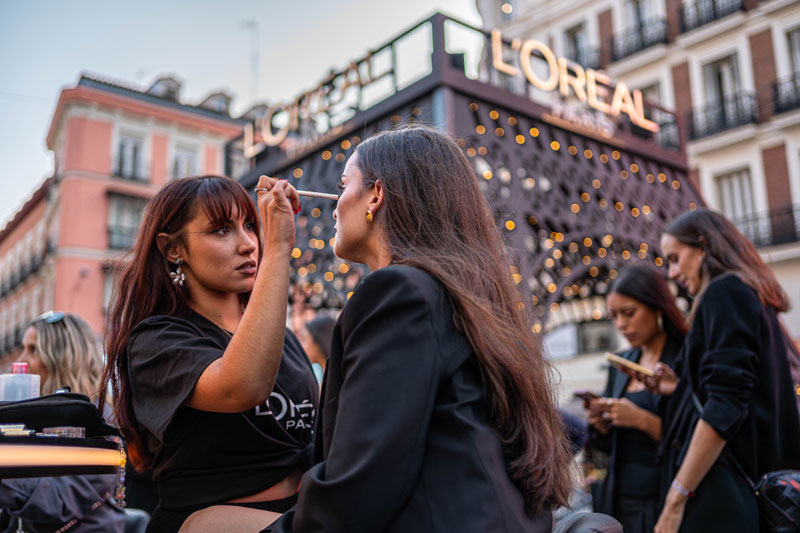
<point>177,277</point>
<point>660,323</point>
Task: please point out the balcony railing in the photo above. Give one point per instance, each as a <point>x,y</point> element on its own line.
<point>587,57</point>
<point>121,237</point>
<point>702,12</point>
<point>777,226</point>
<point>653,31</point>
<point>786,92</point>
<point>725,114</point>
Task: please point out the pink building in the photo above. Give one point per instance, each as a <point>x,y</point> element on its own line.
<point>114,147</point>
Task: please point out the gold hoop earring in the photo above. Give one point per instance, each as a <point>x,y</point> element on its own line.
<point>369,217</point>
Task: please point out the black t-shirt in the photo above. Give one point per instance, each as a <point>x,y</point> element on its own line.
<point>203,458</point>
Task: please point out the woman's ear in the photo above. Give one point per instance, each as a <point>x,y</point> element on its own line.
<point>376,200</point>
<point>168,247</point>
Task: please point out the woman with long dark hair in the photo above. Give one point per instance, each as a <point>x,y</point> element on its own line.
<point>626,420</point>
<point>738,404</point>
<point>210,389</point>
<point>438,411</point>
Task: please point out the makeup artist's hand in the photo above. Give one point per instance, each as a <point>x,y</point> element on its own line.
<point>277,206</point>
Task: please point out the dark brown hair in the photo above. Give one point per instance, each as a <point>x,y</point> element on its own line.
<point>145,289</point>
<point>435,218</point>
<point>727,250</point>
<point>648,286</point>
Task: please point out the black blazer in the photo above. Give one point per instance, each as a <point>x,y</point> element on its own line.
<point>735,360</point>
<point>616,384</point>
<point>403,442</point>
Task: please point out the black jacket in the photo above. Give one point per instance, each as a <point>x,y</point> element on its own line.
<point>403,442</point>
<point>735,361</point>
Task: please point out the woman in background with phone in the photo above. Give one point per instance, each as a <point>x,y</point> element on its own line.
<point>626,420</point>
<point>736,375</point>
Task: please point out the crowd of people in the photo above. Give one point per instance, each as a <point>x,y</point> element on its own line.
<point>427,405</point>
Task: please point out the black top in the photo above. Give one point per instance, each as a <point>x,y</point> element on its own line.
<point>735,361</point>
<point>638,474</point>
<point>620,462</point>
<point>203,458</point>
<point>404,443</point>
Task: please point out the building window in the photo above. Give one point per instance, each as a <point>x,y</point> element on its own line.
<point>794,49</point>
<point>721,78</point>
<point>124,219</point>
<point>238,164</point>
<point>578,49</point>
<point>636,12</point>
<point>736,197</point>
<point>185,162</point>
<point>129,157</point>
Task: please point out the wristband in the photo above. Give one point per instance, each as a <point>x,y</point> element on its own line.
<point>683,491</point>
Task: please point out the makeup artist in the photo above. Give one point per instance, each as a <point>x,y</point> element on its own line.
<point>201,365</point>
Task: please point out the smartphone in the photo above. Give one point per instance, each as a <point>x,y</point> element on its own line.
<point>620,362</point>
<point>585,395</point>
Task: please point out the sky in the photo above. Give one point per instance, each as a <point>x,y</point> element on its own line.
<point>46,44</point>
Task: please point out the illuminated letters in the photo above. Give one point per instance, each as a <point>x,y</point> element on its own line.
<point>525,58</point>
<point>588,85</point>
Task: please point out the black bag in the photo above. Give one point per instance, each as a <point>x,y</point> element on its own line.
<point>777,493</point>
<point>59,409</point>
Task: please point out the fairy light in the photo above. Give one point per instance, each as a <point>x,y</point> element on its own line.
<point>480,129</point>
<point>555,145</point>
<point>534,132</point>
<point>493,114</point>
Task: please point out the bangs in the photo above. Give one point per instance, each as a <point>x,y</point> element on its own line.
<point>218,196</point>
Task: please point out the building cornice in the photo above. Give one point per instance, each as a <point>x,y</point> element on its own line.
<point>26,208</point>
<point>189,119</point>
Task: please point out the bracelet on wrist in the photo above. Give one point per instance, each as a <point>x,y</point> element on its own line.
<point>680,489</point>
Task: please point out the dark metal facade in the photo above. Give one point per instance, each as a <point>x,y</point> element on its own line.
<point>573,206</point>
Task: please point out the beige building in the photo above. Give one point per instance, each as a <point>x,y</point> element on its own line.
<point>731,71</point>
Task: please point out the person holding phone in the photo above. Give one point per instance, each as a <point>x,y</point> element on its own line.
<point>736,391</point>
<point>626,420</point>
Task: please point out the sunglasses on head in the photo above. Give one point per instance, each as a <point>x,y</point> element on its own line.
<point>51,317</point>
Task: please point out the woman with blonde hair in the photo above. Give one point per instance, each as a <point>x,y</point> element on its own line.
<point>64,351</point>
